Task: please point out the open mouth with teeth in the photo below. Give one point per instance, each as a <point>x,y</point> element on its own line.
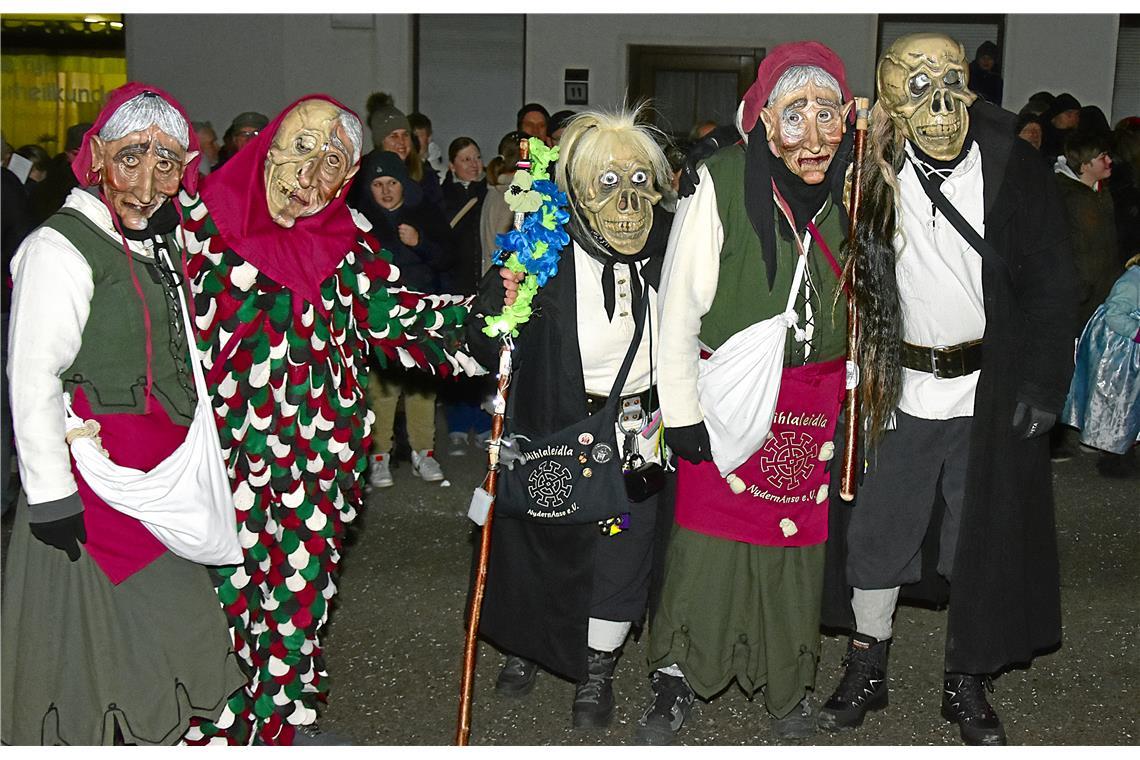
<point>943,131</point>
<point>624,227</point>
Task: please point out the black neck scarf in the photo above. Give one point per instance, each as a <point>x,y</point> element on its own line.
<point>758,173</point>
<point>650,275</point>
<point>162,222</point>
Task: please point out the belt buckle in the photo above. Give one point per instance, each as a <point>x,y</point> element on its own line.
<point>936,368</point>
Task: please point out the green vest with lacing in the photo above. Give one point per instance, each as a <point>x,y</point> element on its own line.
<point>111,364</point>
<point>742,295</point>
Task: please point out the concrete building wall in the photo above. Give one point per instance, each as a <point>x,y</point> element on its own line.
<point>221,65</point>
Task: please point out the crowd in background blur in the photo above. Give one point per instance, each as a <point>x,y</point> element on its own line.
<point>439,211</point>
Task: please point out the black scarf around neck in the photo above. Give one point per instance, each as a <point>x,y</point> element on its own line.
<point>162,222</point>
<point>803,199</point>
<point>653,253</point>
<point>758,203</point>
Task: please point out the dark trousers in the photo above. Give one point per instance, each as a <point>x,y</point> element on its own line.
<point>907,470</point>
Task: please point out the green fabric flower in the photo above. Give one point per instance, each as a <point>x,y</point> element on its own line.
<point>520,197</point>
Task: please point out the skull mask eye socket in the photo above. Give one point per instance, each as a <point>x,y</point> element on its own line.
<point>918,85</point>
<point>639,178</point>
<point>952,78</point>
<point>609,180</point>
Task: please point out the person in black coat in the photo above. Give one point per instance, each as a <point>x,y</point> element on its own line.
<point>419,239</point>
<point>957,500</point>
<point>414,231</point>
<point>566,596</point>
<point>464,189</point>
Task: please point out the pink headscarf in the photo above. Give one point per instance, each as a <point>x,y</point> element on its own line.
<point>779,60</point>
<point>81,166</point>
<point>300,257</point>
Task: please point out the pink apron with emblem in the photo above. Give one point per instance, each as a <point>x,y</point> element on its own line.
<point>784,502</point>
<point>785,498</point>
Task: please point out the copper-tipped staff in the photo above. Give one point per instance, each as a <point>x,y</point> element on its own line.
<point>850,475</point>
<point>463,729</point>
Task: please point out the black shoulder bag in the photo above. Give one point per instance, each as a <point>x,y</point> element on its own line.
<point>573,476</point>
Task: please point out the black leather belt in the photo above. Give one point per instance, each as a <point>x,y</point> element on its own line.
<point>943,362</point>
<point>595,403</point>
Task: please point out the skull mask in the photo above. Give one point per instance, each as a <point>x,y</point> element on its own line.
<point>618,201</point>
<point>922,81</point>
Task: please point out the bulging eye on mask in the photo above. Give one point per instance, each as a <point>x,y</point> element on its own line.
<point>308,163</point>
<point>618,201</point>
<point>922,82</point>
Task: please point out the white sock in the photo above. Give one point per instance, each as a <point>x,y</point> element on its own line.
<point>672,670</point>
<point>607,635</point>
<point>874,610</point>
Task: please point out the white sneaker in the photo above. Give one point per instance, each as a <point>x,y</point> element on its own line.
<point>458,444</point>
<point>380,472</point>
<point>425,466</point>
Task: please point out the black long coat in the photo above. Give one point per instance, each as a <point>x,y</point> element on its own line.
<point>540,578</point>
<point>1004,601</point>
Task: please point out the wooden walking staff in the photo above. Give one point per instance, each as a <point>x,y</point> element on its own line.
<point>850,475</point>
<point>463,729</point>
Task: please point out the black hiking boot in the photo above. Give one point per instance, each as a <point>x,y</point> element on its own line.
<point>964,702</point>
<point>516,679</point>
<point>594,698</point>
<point>672,703</point>
<point>863,687</point>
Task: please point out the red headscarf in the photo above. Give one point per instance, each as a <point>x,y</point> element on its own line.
<point>81,166</point>
<point>782,58</point>
<point>300,257</point>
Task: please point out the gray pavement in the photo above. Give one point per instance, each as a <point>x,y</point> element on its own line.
<point>395,640</point>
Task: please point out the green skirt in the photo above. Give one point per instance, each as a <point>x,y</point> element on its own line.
<point>731,610</point>
<point>84,660</point>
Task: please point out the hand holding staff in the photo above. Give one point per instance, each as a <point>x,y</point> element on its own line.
<point>850,474</point>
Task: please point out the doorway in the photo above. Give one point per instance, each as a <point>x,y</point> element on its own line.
<point>690,85</point>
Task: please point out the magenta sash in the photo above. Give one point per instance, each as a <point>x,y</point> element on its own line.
<point>785,499</point>
<point>121,545</point>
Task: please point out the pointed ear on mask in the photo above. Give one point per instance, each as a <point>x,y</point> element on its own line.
<point>768,116</point>
<point>97,146</point>
<point>347,178</point>
<point>190,156</point>
<point>847,108</point>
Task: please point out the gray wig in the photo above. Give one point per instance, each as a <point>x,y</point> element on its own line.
<point>142,111</point>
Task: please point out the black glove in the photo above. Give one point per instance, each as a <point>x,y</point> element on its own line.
<point>65,534</point>
<point>709,144</point>
<point>1030,422</point>
<point>690,442</point>
<point>491,292</point>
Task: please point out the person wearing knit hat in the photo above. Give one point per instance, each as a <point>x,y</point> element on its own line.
<point>758,238</point>
<point>391,131</point>
<point>109,637</point>
<point>418,237</point>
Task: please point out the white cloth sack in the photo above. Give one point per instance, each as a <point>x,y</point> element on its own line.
<point>185,501</point>
<point>739,383</point>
